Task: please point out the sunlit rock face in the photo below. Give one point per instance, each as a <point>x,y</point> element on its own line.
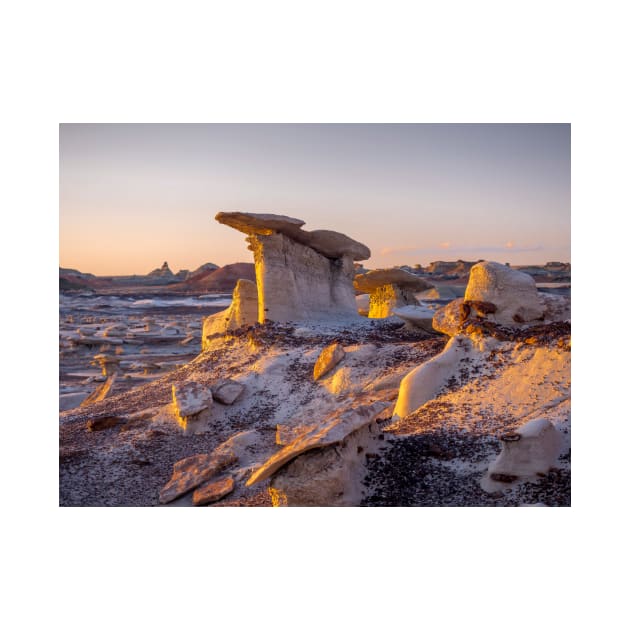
<point>299,274</point>
<point>328,359</point>
<point>529,451</point>
<point>389,289</point>
<point>193,404</point>
<point>449,318</point>
<point>423,382</point>
<point>332,430</point>
<point>243,311</point>
<point>512,293</point>
<point>329,476</point>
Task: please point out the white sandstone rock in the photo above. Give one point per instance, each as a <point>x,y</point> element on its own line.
<point>423,382</point>
<point>328,359</point>
<point>332,430</point>
<point>327,477</point>
<point>193,403</point>
<point>529,451</point>
<point>512,292</point>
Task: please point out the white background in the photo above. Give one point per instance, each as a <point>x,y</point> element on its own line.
<point>313,62</point>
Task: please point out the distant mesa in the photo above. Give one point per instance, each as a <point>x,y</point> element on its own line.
<point>221,279</point>
<point>201,271</point>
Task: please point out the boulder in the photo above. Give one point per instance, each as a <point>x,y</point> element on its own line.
<point>227,391</point>
<point>389,289</point>
<point>299,274</point>
<point>331,431</point>
<point>512,292</point>
<point>327,360</point>
<point>285,434</point>
<point>192,403</point>
<point>449,318</point>
<point>213,490</point>
<point>528,452</point>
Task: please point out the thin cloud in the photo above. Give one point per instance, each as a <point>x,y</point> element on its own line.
<point>508,247</point>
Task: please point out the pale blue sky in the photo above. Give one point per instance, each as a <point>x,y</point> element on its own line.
<point>132,196</point>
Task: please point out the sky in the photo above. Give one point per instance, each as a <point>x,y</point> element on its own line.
<point>135,195</point>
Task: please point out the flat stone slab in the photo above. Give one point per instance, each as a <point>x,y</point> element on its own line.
<point>418,316</point>
<point>190,398</point>
<point>286,434</point>
<point>372,280</point>
<point>255,223</point>
<point>192,471</point>
<point>327,242</point>
<point>227,391</point>
<point>213,490</point>
<point>331,431</point>
<point>328,359</point>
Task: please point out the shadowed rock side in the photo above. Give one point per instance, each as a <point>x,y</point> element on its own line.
<point>299,274</point>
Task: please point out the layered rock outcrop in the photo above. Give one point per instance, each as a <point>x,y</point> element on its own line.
<point>299,274</point>
<point>389,289</point>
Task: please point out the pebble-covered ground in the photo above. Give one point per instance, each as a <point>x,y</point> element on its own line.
<point>433,457</point>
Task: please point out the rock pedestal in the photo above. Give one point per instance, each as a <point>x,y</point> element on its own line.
<point>389,289</point>
<point>299,274</point>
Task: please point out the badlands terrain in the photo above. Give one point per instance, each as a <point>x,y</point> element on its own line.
<point>306,379</point>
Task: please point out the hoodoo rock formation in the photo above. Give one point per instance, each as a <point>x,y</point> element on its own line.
<point>389,289</point>
<point>299,274</point>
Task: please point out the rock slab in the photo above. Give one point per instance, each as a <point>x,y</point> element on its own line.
<point>192,471</point>
<point>329,357</point>
<point>213,490</point>
<point>227,391</point>
<point>331,431</point>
